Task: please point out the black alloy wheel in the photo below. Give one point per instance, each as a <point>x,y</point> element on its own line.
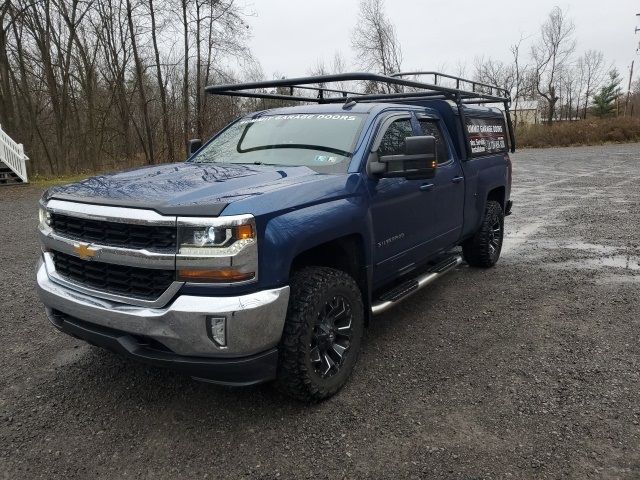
<point>483,249</point>
<point>331,337</point>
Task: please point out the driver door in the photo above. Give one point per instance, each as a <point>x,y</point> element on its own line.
<point>402,211</point>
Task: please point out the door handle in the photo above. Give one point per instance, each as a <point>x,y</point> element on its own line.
<point>425,187</point>
<point>457,179</point>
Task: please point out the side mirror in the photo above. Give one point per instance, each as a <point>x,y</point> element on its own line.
<point>193,146</point>
<point>418,161</point>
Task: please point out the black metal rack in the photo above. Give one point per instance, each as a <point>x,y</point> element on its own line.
<point>320,89</point>
<point>475,86</point>
<point>397,87</point>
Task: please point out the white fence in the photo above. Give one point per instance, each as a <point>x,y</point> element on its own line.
<point>12,155</point>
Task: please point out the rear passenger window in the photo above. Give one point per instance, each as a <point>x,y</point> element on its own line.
<point>392,142</point>
<point>431,128</point>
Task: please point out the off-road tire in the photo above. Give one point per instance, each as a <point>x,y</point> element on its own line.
<point>311,289</point>
<point>483,249</point>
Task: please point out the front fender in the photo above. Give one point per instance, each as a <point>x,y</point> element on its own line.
<point>289,234</point>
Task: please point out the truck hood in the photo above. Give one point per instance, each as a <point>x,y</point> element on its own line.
<point>194,189</point>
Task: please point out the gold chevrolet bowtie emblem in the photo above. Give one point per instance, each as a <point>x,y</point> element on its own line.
<point>84,251</point>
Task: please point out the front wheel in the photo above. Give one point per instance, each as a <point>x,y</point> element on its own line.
<point>322,334</point>
<point>483,249</point>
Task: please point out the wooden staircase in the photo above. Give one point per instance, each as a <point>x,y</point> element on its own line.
<point>8,176</point>
<point>13,168</point>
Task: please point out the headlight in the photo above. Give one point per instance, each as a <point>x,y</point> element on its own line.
<point>214,240</point>
<point>217,250</point>
<point>44,217</point>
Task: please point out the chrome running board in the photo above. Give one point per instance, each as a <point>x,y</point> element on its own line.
<point>408,288</point>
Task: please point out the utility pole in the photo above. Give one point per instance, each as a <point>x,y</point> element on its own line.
<point>638,30</point>
<point>626,103</point>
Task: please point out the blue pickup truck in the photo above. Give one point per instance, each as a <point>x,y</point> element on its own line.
<point>265,255</point>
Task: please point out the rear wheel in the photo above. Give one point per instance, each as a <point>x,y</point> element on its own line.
<point>322,333</point>
<point>483,249</point>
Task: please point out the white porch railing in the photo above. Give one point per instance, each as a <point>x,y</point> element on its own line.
<point>12,155</point>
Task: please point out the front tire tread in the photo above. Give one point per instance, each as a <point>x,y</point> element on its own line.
<point>308,287</point>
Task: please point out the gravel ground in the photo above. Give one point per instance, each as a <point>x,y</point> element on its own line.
<point>527,370</point>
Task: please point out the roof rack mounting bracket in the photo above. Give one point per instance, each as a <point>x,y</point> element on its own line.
<point>348,103</point>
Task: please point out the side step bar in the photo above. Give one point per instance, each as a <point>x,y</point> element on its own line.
<point>399,293</point>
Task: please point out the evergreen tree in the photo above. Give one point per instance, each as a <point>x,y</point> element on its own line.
<point>604,100</point>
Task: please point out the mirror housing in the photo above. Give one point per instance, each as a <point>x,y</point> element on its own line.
<point>193,146</point>
<point>418,161</point>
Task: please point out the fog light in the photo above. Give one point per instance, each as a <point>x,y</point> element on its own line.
<point>217,330</point>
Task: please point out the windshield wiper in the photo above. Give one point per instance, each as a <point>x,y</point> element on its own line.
<point>300,146</point>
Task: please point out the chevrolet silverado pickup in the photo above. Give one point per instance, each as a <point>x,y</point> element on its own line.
<point>265,254</point>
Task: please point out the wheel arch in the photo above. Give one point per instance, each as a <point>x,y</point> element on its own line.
<point>347,254</point>
<point>497,194</point>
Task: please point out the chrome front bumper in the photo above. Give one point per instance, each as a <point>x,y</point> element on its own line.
<point>254,321</point>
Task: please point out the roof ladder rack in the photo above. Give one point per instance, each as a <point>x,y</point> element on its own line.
<point>381,88</point>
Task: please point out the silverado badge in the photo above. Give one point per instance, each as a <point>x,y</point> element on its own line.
<point>84,251</point>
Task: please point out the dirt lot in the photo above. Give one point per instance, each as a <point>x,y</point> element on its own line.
<point>527,370</point>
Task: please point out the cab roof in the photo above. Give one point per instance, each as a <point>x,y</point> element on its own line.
<point>356,107</point>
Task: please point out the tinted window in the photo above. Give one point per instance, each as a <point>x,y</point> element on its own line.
<point>392,142</point>
<point>323,142</point>
<point>431,128</point>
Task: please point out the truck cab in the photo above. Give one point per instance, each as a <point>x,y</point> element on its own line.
<point>265,255</point>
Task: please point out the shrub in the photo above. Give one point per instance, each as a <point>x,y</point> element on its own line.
<point>592,131</point>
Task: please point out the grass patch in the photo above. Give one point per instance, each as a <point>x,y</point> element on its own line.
<point>50,181</point>
<point>592,131</point>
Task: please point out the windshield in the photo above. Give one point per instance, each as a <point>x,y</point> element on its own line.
<point>323,142</point>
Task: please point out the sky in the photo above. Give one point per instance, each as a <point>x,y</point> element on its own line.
<point>291,36</point>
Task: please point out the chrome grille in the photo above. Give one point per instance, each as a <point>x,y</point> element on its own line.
<point>150,237</point>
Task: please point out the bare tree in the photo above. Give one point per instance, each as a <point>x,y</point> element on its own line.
<point>7,108</point>
<point>161,85</point>
<point>591,66</point>
<point>519,75</point>
<point>374,39</point>
<point>114,39</point>
<point>220,31</point>
<point>337,65</point>
<point>185,78</point>
<point>140,77</point>
<point>568,91</point>
<point>85,83</point>
<point>494,72</point>
<point>550,54</point>
<point>199,6</point>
